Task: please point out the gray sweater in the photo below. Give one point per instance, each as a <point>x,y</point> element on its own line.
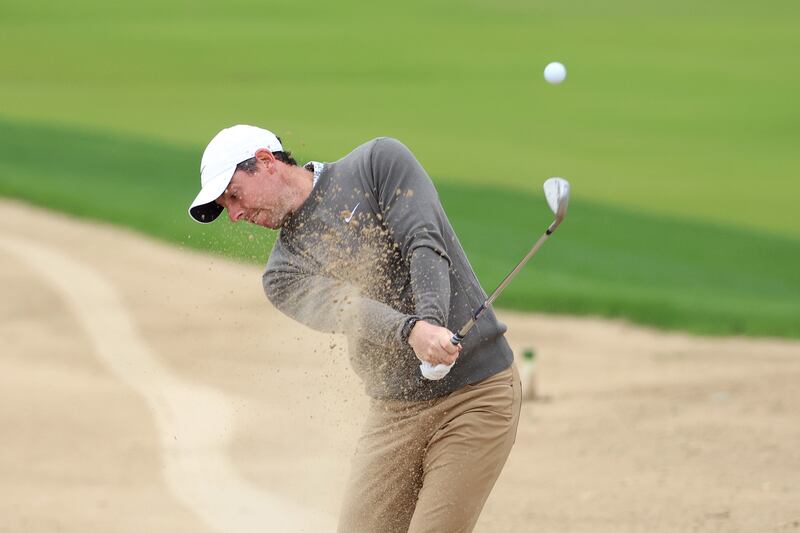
<point>370,247</point>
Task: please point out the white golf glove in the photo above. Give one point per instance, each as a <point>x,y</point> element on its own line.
<point>432,372</point>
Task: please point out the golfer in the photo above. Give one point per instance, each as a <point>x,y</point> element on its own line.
<point>365,249</point>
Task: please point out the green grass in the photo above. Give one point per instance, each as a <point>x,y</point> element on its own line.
<point>124,180</point>
<point>684,109</point>
<point>677,125</point>
<point>650,269</point>
<point>603,260</point>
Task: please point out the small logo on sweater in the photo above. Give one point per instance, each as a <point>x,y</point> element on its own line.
<point>353,212</point>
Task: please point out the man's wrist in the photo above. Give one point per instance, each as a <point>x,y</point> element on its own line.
<point>408,325</point>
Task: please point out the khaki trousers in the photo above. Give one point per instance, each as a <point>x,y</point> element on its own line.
<point>430,466</point>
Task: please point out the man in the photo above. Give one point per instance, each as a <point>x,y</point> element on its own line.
<point>365,249</point>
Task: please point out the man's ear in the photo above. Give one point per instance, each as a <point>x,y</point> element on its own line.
<point>266,157</point>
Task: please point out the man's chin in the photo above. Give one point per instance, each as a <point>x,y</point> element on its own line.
<point>263,224</point>
<point>261,219</point>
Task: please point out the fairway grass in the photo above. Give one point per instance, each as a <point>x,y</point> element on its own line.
<point>604,260</point>
<point>686,109</point>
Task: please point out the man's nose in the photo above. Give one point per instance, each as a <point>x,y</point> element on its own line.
<point>234,213</point>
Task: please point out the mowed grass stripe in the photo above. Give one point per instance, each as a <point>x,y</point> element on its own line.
<point>651,269</point>
<point>603,260</point>
<point>127,181</point>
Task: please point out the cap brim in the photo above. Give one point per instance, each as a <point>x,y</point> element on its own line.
<point>205,209</point>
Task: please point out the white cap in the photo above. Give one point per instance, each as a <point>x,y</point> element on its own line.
<point>227,149</point>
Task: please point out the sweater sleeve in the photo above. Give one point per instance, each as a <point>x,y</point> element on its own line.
<point>329,305</point>
<point>415,219</point>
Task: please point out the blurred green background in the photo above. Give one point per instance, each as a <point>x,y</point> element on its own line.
<point>678,126</point>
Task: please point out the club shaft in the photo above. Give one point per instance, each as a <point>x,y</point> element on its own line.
<point>516,270</point>
<point>459,336</point>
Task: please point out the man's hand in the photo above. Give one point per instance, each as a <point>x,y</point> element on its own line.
<point>432,344</point>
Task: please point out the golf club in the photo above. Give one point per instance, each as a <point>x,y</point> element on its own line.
<point>556,191</point>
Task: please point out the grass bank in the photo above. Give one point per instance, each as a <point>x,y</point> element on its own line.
<point>607,261</point>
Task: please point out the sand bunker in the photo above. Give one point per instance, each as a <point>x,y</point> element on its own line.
<point>147,388</point>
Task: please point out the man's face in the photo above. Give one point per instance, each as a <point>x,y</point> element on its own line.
<point>260,198</point>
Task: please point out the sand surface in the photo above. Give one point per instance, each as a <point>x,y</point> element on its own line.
<point>148,388</point>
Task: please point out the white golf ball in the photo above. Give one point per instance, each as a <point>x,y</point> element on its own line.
<point>555,73</point>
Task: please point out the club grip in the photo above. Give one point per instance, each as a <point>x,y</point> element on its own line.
<point>456,339</point>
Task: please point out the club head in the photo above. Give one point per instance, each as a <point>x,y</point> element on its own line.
<point>556,190</point>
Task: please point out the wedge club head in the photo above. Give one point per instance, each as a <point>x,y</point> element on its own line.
<point>556,190</point>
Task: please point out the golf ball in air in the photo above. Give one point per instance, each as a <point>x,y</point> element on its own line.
<point>555,73</point>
